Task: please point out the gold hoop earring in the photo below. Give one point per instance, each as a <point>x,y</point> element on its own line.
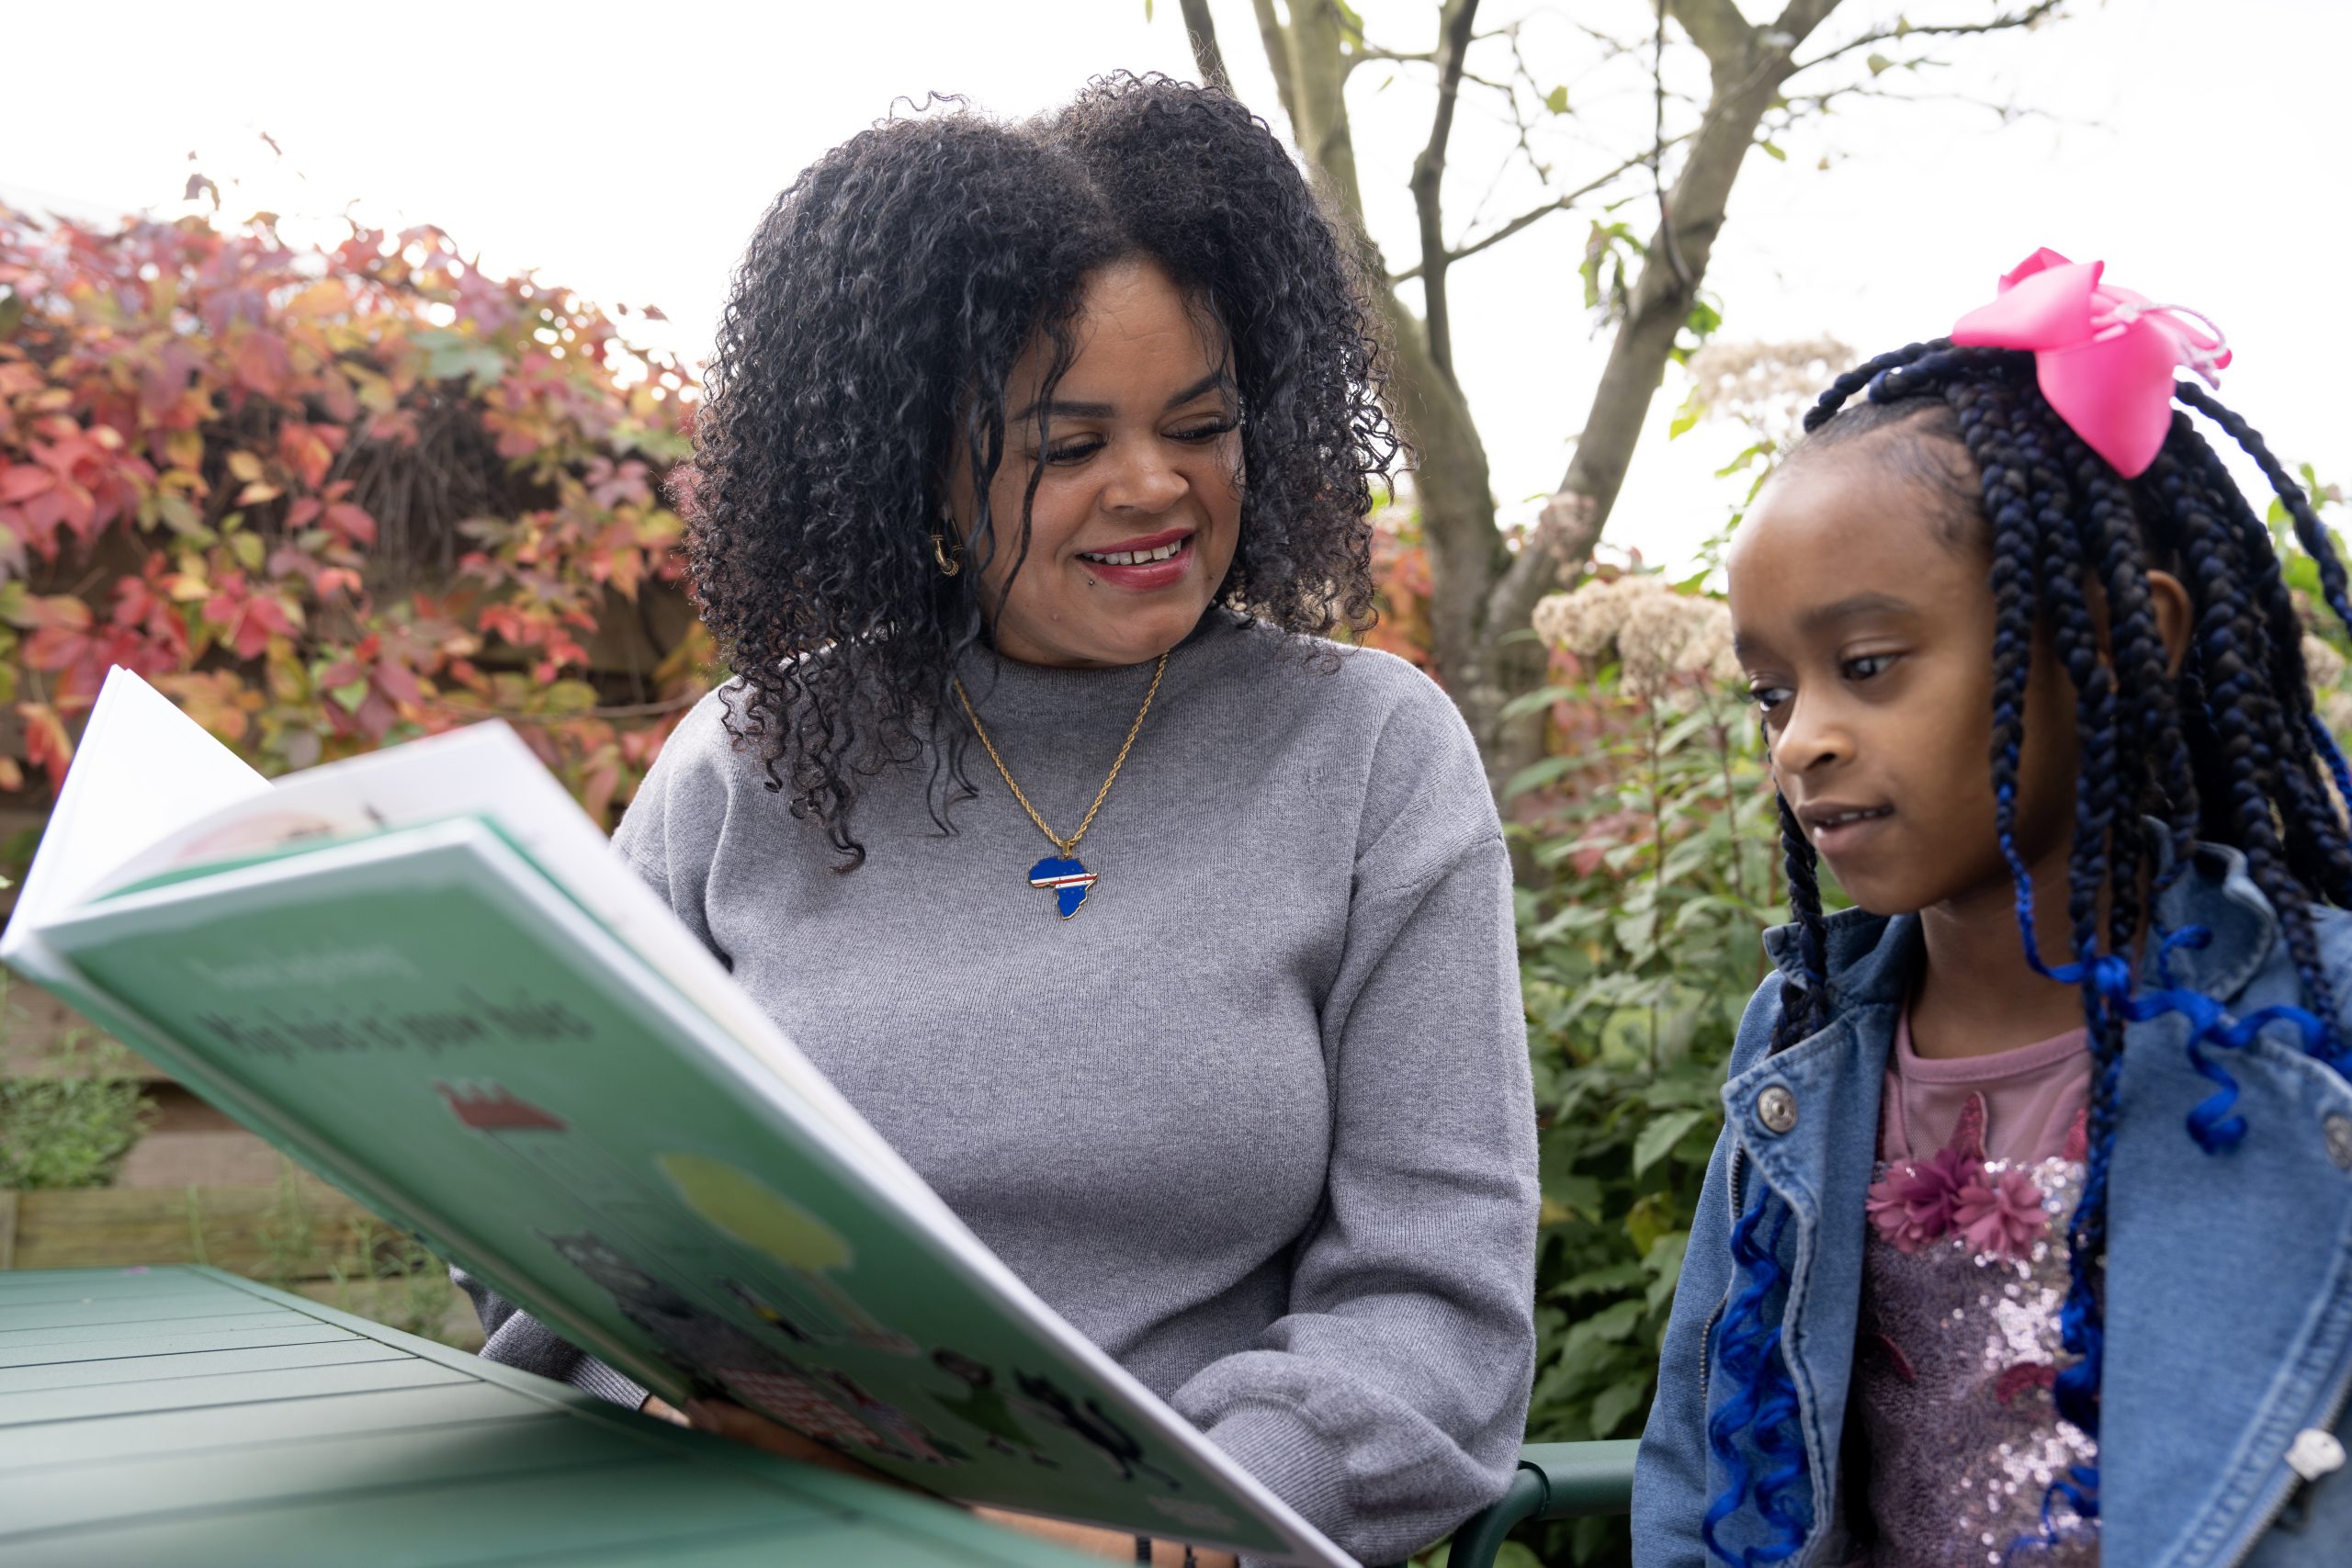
<point>947,567</point>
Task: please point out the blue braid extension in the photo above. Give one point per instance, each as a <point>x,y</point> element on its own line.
<point>2232,644</point>
<point>2324,744</point>
<point>2317,857</point>
<point>1762,1409</point>
<point>1763,1406</point>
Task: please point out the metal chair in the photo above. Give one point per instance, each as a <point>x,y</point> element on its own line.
<point>1556,1481</point>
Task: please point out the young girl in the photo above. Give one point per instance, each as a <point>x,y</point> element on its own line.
<point>2028,1239</point>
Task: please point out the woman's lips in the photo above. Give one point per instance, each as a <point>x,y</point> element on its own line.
<point>1144,576</point>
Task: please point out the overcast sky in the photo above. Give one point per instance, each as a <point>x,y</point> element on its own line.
<point>626,151</point>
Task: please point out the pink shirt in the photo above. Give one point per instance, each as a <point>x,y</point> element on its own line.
<point>2034,1095</point>
<point>1964,1277</point>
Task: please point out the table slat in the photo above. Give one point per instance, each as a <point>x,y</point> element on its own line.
<point>346,1349</point>
<point>271,1421</point>
<point>293,1331</point>
<point>230,1388</point>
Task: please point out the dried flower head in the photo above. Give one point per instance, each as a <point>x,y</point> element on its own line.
<point>1766,386</point>
<point>1660,637</point>
<point>2322,662</point>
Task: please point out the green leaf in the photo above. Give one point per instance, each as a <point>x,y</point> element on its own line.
<point>1658,1140</point>
<point>1537,775</point>
<point>1536,701</point>
<point>450,354</point>
<point>1556,100</point>
<point>1764,449</point>
<point>1616,1277</point>
<point>351,694</point>
<point>1878,65</point>
<point>1621,1399</point>
<point>1684,422</point>
<point>1774,152</point>
<point>1665,1260</point>
<point>1610,1324</point>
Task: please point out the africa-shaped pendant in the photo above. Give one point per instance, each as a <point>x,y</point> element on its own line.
<point>1068,880</point>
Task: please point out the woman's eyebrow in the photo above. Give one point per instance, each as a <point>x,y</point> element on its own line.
<point>1060,410</point>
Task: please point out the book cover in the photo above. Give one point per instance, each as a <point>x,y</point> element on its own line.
<point>404,972</point>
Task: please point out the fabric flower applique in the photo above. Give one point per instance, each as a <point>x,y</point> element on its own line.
<point>1913,1204</point>
<point>1921,1202</point>
<point>1999,1213</point>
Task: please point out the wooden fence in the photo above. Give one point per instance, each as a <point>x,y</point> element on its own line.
<point>300,1235</point>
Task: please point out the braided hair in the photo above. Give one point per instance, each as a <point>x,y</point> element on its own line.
<point>862,359</point>
<point>2228,751</point>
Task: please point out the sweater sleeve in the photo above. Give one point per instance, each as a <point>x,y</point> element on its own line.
<point>1390,1401</point>
<point>515,1339</point>
<point>658,825</point>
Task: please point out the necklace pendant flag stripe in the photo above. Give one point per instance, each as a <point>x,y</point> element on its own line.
<point>1068,880</point>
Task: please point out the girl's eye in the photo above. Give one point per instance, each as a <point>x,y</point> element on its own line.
<point>1206,432</point>
<point>1768,698</point>
<point>1867,666</point>
<point>1074,451</point>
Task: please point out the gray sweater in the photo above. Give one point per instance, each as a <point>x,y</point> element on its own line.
<point>1256,1118</point>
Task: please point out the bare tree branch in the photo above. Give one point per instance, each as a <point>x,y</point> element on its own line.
<point>1429,176</point>
<point>1201,28</point>
<point>2024,18</point>
<point>1356,57</point>
<point>1277,46</point>
<point>1558,204</point>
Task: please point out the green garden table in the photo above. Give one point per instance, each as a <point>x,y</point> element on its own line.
<point>188,1417</point>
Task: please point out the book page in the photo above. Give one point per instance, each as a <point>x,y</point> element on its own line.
<point>142,771</point>
<point>486,771</point>
<point>423,1015</point>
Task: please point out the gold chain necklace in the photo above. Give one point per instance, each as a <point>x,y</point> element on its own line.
<point>1062,875</point>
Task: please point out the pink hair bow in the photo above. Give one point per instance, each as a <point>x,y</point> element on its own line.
<point>2104,355</point>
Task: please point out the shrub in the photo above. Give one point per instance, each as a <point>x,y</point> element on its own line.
<point>330,497</point>
<point>1646,884</point>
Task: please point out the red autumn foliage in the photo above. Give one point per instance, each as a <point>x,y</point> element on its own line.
<point>329,498</point>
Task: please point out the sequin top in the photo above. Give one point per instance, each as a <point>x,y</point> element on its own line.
<point>1964,1273</point>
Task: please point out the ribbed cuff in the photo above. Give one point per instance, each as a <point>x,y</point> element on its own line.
<point>1274,1444</point>
<point>592,1376</point>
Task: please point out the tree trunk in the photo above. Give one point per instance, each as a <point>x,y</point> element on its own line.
<point>1482,591</point>
<point>1748,65</point>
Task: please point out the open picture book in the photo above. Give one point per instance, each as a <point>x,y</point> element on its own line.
<point>424,975</point>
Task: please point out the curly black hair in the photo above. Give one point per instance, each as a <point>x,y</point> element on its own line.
<point>864,351</point>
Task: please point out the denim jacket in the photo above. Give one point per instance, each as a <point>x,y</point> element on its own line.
<point>2229,1276</point>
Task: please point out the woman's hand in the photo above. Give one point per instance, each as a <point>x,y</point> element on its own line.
<point>1117,1546</point>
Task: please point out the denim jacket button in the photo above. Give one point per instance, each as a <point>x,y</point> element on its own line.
<point>2338,1129</point>
<point>2314,1453</point>
<point>1777,1108</point>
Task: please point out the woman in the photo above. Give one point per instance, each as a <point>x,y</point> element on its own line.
<point>1191,987</point>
